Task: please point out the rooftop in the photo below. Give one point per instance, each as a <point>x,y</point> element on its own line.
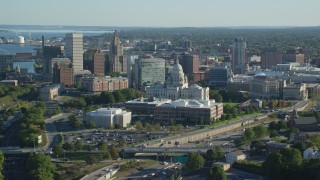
<point>238,153</point>
<point>278,145</point>
<point>306,120</point>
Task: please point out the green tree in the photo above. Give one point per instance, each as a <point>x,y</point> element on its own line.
<point>40,167</point>
<point>110,98</point>
<point>172,123</point>
<point>291,158</point>
<point>211,155</point>
<point>138,125</point>
<point>314,98</point>
<point>179,127</point>
<point>115,74</point>
<point>195,161</point>
<point>216,173</point>
<point>119,96</point>
<point>260,131</point>
<point>219,151</point>
<point>68,146</point>
<point>202,120</point>
<point>57,110</point>
<point>217,97</point>
<point>281,125</point>
<point>58,150</point>
<point>122,142</point>
<point>92,159</point>
<point>103,146</point>
<point>148,127</point>
<point>317,115</point>
<point>157,127</point>
<point>114,152</point>
<point>249,134</point>
<point>91,125</point>
<point>1,164</point>
<point>273,166</point>
<point>78,145</point>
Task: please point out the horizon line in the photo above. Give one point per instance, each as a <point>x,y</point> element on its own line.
<point>242,26</point>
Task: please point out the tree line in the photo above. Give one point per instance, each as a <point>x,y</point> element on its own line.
<point>119,96</point>
<point>32,125</point>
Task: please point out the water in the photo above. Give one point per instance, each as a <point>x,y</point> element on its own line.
<point>17,48</point>
<point>35,32</point>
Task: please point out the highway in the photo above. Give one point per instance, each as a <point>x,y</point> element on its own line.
<point>103,173</point>
<point>51,131</point>
<point>205,133</point>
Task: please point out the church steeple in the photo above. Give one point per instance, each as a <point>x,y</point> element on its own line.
<point>18,69</point>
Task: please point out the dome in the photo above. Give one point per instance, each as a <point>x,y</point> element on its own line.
<point>177,67</point>
<point>195,86</point>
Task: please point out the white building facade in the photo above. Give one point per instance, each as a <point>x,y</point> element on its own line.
<point>233,157</point>
<point>108,117</point>
<point>176,87</point>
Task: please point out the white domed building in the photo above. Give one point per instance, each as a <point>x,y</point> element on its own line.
<point>176,87</point>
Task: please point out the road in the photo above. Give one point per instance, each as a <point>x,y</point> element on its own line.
<point>155,172</point>
<point>243,120</point>
<point>107,171</point>
<point>51,131</point>
<point>235,174</point>
<point>11,136</point>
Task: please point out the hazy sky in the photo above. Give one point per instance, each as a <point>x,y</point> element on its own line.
<point>172,13</point>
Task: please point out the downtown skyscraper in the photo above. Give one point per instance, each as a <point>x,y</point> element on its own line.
<point>270,56</point>
<point>116,61</point>
<point>239,56</point>
<point>74,50</point>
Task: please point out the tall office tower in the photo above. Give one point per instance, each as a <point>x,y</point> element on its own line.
<point>148,71</point>
<point>74,50</point>
<point>190,64</point>
<point>187,44</point>
<point>293,56</point>
<point>218,77</point>
<point>116,62</point>
<point>50,52</point>
<point>93,60</point>
<point>239,56</point>
<point>270,57</point>
<point>131,60</point>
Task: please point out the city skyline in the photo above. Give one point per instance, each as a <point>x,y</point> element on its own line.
<point>143,13</point>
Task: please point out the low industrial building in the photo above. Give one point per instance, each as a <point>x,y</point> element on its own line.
<point>273,147</point>
<point>235,156</point>
<point>50,92</point>
<point>9,82</point>
<point>109,117</point>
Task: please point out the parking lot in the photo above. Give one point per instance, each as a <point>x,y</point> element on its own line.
<point>112,137</point>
